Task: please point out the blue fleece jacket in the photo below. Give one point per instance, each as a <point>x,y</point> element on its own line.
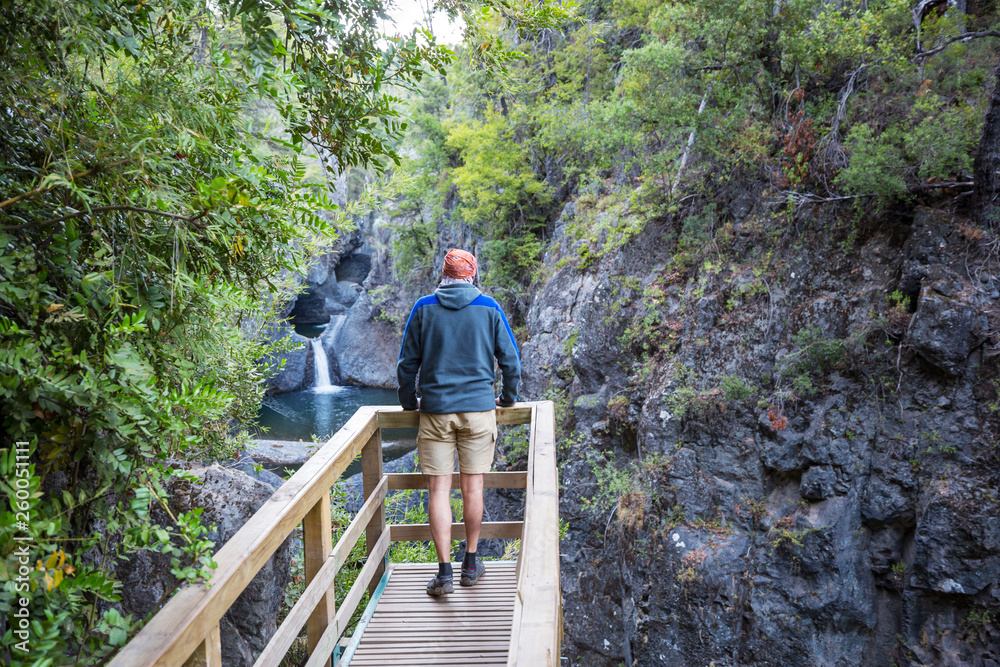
<point>451,338</point>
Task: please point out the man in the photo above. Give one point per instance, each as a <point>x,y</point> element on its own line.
<point>452,338</point>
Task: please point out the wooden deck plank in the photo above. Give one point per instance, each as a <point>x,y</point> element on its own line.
<point>470,626</point>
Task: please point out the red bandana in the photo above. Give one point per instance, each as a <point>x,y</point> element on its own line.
<point>459,264</point>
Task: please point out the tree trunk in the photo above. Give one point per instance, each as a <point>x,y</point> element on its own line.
<point>985,200</point>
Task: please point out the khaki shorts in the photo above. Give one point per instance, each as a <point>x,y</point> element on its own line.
<point>473,434</point>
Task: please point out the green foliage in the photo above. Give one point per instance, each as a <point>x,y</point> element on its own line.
<point>694,237</point>
<point>899,300</point>
<point>513,446</point>
<point>816,355</point>
<point>612,482</point>
<point>942,138</point>
<point>604,226</point>
<point>495,182</point>
<point>157,183</point>
<point>413,245</point>
<point>783,533</point>
<point>647,331</point>
<point>976,623</point>
<point>736,389</point>
<point>570,342</point>
<point>877,164</point>
<point>500,197</point>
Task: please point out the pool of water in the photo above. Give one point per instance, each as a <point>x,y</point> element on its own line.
<point>310,330</point>
<point>315,415</point>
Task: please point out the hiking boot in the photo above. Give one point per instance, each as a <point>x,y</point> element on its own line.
<point>470,575</point>
<point>442,584</point>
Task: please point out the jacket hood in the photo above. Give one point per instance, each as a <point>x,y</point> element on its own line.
<point>456,297</point>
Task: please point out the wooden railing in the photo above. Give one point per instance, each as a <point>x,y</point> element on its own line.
<point>186,630</point>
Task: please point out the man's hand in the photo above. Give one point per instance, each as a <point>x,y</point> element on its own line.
<point>412,409</point>
<point>502,405</point>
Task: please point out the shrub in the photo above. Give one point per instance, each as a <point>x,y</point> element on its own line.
<point>877,165</point>
<point>735,389</point>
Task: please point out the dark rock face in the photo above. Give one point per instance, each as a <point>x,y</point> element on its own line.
<point>843,510</point>
<point>366,348</point>
<point>310,308</point>
<point>354,268</point>
<point>229,498</point>
<point>945,329</point>
<point>291,370</point>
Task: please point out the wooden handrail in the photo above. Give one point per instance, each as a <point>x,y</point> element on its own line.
<point>536,633</point>
<point>185,621</point>
<point>395,417</point>
<point>490,530</point>
<point>289,630</point>
<point>187,627</point>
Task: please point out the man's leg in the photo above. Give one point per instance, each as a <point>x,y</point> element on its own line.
<point>439,509</point>
<point>472,508</point>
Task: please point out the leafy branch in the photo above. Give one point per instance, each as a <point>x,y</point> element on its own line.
<point>192,219</point>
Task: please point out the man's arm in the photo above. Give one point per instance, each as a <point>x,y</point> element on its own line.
<point>505,350</point>
<point>409,362</point>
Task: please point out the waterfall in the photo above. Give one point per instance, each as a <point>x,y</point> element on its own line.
<point>321,363</point>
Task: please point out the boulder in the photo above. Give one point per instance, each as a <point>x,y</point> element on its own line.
<point>282,452</point>
<point>945,329</point>
<point>229,498</point>
<point>346,292</point>
<point>335,307</point>
<point>366,349</point>
<point>817,483</point>
<point>290,370</point>
<point>251,468</point>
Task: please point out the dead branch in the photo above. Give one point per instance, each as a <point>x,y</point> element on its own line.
<point>833,136</point>
<point>948,42</point>
<point>802,198</point>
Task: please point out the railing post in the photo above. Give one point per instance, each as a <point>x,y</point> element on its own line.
<point>209,651</point>
<point>318,537</point>
<point>371,475</point>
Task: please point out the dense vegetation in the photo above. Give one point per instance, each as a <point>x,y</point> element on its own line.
<point>161,168</point>
<point>674,101</point>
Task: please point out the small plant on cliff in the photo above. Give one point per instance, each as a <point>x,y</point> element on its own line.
<point>976,621</point>
<point>736,389</point>
<point>898,572</point>
<point>648,330</point>
<point>513,446</point>
<point>570,342</point>
<point>691,562</point>
<point>618,408</point>
<point>613,481</point>
<point>897,319</point>
<point>817,354</point>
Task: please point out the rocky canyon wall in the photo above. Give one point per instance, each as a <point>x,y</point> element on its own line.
<point>778,442</point>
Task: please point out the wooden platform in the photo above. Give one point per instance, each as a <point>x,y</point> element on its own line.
<point>472,626</point>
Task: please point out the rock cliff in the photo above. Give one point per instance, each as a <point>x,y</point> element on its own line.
<point>778,440</point>
<point>229,498</point>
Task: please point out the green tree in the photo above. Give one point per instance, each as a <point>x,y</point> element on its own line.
<point>153,170</point>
